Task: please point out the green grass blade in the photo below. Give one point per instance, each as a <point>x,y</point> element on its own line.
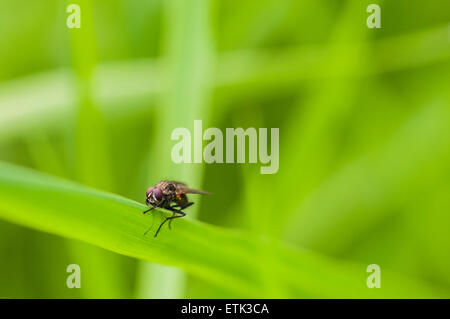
<point>48,97</point>
<point>413,160</point>
<point>188,71</point>
<point>223,257</point>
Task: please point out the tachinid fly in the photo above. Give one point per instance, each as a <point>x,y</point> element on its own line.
<point>172,196</point>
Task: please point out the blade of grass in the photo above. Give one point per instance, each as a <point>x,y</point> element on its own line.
<point>187,72</point>
<point>214,254</point>
<point>358,195</point>
<point>91,160</point>
<point>48,97</point>
<point>100,267</point>
<point>310,135</point>
<point>313,130</point>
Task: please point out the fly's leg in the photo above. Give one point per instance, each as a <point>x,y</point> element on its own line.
<point>152,208</point>
<point>174,211</point>
<point>181,207</point>
<point>187,205</point>
<point>173,214</point>
<point>146,211</point>
<point>170,221</point>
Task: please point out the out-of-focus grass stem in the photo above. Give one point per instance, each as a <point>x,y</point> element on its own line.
<point>187,74</point>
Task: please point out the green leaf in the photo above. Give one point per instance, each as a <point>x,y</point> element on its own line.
<point>227,258</point>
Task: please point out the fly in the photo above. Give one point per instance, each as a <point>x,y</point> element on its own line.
<point>172,196</point>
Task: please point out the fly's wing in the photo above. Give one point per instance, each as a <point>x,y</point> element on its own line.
<point>184,189</point>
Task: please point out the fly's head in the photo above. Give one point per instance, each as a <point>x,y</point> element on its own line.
<point>154,196</point>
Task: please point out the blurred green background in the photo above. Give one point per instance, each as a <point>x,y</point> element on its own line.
<point>364,118</point>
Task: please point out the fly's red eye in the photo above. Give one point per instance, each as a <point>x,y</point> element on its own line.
<point>149,190</point>
<point>158,194</point>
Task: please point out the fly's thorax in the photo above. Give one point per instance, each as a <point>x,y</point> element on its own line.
<point>167,187</point>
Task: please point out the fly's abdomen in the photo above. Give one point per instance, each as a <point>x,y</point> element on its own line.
<point>181,199</point>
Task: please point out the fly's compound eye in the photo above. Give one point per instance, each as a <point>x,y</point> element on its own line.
<point>149,191</point>
<point>157,194</point>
